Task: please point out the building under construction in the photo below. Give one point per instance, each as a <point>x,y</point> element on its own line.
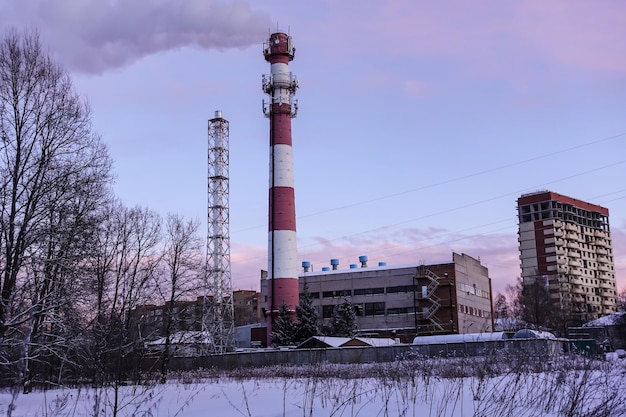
<point>404,301</point>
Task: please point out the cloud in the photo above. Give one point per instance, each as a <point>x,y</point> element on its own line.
<point>93,36</point>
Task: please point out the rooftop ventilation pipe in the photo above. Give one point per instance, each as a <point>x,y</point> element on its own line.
<point>306,265</point>
<point>334,263</point>
<point>363,260</point>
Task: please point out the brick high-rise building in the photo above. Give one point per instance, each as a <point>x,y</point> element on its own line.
<point>565,243</point>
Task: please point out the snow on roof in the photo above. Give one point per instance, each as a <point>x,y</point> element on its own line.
<point>377,341</point>
<point>508,323</point>
<point>610,320</point>
<point>332,340</point>
<point>459,338</point>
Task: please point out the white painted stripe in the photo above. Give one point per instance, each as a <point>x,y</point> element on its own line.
<point>283,158</point>
<point>286,254</point>
<point>281,78</point>
<point>280,71</point>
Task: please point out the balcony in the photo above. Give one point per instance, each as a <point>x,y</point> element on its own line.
<point>603,268</point>
<point>606,284</point>
<point>572,245</point>
<point>571,227</point>
<point>602,259</point>
<point>558,233</point>
<point>573,254</point>
<point>603,243</point>
<point>576,281</point>
<point>575,263</point>
<point>601,251</point>
<point>600,233</point>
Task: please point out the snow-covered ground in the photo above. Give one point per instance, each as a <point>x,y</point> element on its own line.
<point>588,389</point>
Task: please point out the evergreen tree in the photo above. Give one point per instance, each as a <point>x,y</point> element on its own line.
<point>343,322</point>
<point>284,328</point>
<point>309,324</point>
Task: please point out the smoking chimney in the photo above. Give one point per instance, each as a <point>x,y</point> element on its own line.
<point>280,86</point>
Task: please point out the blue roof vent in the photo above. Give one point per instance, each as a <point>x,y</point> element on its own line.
<point>334,263</point>
<point>363,260</point>
<point>382,263</point>
<point>325,268</point>
<point>306,265</point>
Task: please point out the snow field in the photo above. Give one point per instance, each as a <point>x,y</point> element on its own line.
<point>465,387</point>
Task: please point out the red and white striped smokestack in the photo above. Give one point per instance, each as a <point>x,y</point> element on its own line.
<point>281,85</point>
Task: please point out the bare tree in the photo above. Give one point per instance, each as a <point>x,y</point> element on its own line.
<point>122,272</point>
<point>183,277</point>
<point>54,172</point>
<point>500,307</point>
<point>621,300</point>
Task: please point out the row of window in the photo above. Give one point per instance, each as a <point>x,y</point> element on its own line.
<point>378,309</point>
<point>474,311</point>
<point>364,291</point>
<point>369,309</point>
<point>471,289</point>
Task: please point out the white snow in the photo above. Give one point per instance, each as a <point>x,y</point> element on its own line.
<point>554,393</point>
<point>610,320</point>
<point>459,338</point>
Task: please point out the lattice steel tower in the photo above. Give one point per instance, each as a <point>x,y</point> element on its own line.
<point>219,314</point>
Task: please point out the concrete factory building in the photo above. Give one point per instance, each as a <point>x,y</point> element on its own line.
<point>566,243</point>
<point>404,301</point>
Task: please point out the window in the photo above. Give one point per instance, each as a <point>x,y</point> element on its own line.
<point>369,291</point>
<point>400,288</point>
<point>398,310</point>
<point>375,309</point>
<point>327,311</point>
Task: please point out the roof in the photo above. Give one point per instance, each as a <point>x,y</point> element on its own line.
<point>459,338</point>
<point>532,334</point>
<point>333,342</point>
<point>610,320</point>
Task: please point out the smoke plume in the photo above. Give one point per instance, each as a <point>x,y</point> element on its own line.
<point>93,36</point>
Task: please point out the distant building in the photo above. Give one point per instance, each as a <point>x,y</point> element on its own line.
<point>405,301</point>
<point>566,244</point>
<point>247,307</point>
<point>148,321</point>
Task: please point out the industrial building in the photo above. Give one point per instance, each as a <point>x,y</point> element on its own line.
<point>404,301</point>
<point>566,244</point>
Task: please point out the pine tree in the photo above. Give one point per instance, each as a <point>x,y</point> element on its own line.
<point>284,328</point>
<point>309,324</point>
<point>344,320</point>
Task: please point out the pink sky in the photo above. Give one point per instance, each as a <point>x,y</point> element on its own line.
<point>420,122</point>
